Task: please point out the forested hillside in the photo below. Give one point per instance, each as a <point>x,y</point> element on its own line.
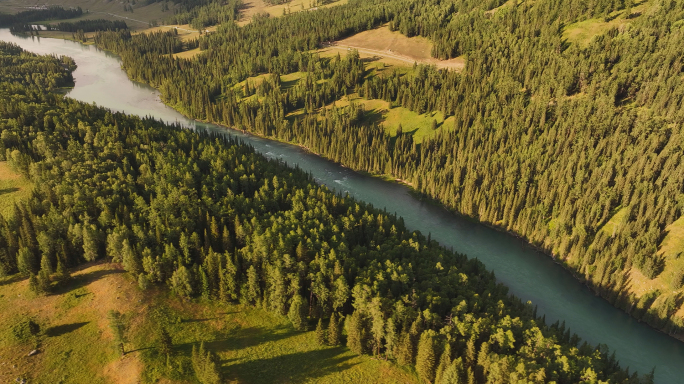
<point>210,218</point>
<point>575,147</point>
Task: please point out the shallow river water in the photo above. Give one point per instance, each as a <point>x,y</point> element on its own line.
<point>531,275</point>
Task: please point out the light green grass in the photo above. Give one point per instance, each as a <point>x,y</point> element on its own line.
<point>582,32</point>
<point>616,221</point>
<point>71,344</point>
<point>254,346</point>
<point>379,112</point>
<point>13,189</point>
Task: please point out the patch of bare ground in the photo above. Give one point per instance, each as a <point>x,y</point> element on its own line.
<point>388,45</point>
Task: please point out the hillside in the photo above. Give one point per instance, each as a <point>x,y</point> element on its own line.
<point>237,259</point>
<point>564,115</point>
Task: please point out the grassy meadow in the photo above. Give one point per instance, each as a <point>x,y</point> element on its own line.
<point>76,344</point>
<point>13,188</point>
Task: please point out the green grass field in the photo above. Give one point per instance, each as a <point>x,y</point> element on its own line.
<point>254,346</point>
<point>75,345</point>
<point>582,32</point>
<point>13,188</point>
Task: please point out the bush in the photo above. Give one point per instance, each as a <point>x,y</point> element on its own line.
<point>25,329</point>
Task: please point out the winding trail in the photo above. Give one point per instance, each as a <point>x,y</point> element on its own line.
<point>450,64</point>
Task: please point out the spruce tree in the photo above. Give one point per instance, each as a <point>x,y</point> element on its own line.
<point>62,273</point>
<point>425,360</point>
<point>44,285</point>
<point>357,334</point>
<point>45,264</point>
<point>165,341</point>
<point>404,350</point>
<point>444,362</point>
<point>297,313</point>
<point>33,284</point>
<point>321,337</point>
<point>390,338</point>
<point>334,330</point>
<point>452,374</point>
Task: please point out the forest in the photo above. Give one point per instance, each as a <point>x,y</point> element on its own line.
<point>50,13</point>
<point>551,140</point>
<point>80,26</point>
<point>207,217</point>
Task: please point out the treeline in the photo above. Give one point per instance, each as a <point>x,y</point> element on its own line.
<point>550,139</point>
<point>51,13</point>
<point>78,26</point>
<point>209,217</point>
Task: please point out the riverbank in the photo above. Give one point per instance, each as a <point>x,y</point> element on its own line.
<point>530,275</point>
<point>616,298</point>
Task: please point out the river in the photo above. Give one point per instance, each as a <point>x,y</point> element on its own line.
<point>530,275</point>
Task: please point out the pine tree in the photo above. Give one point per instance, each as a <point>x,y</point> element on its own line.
<point>44,283</point>
<point>404,350</point>
<point>390,338</point>
<point>33,284</point>
<point>334,330</point>
<point>62,274</point>
<point>165,342</point>
<point>425,360</point>
<point>321,337</point>
<point>357,334</point>
<point>46,265</point>
<point>452,374</point>
<point>444,362</point>
<point>297,313</point>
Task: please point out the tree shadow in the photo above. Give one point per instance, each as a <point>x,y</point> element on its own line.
<point>240,338</point>
<point>8,190</point>
<point>60,330</point>
<point>139,349</point>
<point>292,368</point>
<point>82,280</point>
<point>11,279</point>
<point>198,320</point>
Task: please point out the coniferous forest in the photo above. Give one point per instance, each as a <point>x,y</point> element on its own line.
<point>208,217</point>
<point>550,139</point>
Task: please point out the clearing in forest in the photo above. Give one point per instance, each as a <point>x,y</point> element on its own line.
<point>394,47</point>
<point>584,31</point>
<point>252,8</point>
<point>76,342</point>
<point>13,188</point>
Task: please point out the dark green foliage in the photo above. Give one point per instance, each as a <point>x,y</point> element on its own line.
<point>208,216</point>
<point>206,365</point>
<point>165,343</point>
<point>51,13</point>
<point>25,329</point>
<point>549,138</point>
<point>80,26</point>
